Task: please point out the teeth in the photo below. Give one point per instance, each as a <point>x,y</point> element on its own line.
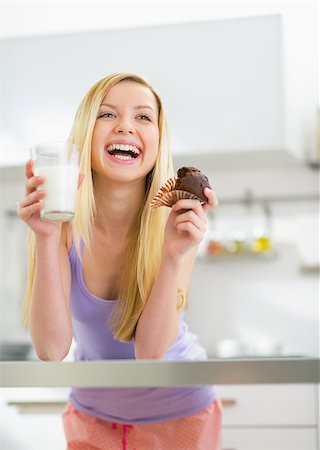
<point>124,157</point>
<point>124,148</point>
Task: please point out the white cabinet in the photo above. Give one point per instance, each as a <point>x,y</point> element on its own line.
<point>270,439</point>
<point>255,417</point>
<point>269,417</point>
<point>31,428</point>
<point>31,431</point>
<point>220,81</point>
<point>243,83</point>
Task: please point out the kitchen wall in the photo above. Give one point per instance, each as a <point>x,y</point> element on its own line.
<point>256,139</point>
<point>263,303</point>
<point>267,303</point>
<point>259,303</point>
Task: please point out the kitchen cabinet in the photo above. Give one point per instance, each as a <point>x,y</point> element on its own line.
<point>226,84</point>
<point>269,417</point>
<point>255,417</point>
<point>25,428</point>
<point>271,439</point>
<point>268,404</point>
<point>31,431</point>
<point>220,81</point>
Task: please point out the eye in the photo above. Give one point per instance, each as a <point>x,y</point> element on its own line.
<point>107,115</point>
<point>144,117</point>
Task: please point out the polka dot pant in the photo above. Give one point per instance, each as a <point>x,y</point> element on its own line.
<point>201,431</point>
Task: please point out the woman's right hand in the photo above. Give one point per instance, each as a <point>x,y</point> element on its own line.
<point>30,206</point>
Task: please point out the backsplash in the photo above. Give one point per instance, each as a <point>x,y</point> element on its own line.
<point>255,302</point>
<point>265,307</point>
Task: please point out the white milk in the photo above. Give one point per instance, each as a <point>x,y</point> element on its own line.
<point>61,185</point>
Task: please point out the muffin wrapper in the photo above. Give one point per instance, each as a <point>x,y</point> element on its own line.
<point>168,196</point>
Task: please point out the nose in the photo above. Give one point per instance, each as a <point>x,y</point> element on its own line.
<point>124,126</point>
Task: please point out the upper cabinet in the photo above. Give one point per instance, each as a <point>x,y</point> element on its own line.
<point>222,83</point>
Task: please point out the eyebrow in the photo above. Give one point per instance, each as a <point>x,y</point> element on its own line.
<point>136,107</point>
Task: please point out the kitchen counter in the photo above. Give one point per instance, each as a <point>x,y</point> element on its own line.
<point>132,373</point>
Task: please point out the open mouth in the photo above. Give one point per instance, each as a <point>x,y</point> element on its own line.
<point>123,151</point>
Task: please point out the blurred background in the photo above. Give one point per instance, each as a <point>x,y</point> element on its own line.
<point>239,81</point>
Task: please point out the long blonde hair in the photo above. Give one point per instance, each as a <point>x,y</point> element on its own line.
<point>145,248</point>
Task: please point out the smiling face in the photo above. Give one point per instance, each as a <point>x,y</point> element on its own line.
<point>126,134</point>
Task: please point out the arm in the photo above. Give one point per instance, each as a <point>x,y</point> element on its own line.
<point>158,325</point>
<point>49,314</point>
<point>50,320</point>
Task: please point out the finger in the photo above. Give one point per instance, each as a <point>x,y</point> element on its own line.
<point>187,204</point>
<point>212,200</point>
<point>80,179</point>
<point>33,182</point>
<point>194,234</point>
<point>34,197</point>
<point>26,212</point>
<point>29,168</point>
<point>190,216</point>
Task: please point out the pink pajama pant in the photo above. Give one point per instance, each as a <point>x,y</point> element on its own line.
<point>201,431</point>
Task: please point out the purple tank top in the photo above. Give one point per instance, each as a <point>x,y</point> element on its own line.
<point>94,341</point>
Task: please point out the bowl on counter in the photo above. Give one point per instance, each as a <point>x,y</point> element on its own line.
<point>15,351</point>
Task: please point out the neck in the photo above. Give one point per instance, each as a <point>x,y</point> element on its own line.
<point>118,206</point>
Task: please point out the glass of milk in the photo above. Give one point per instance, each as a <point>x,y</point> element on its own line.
<point>58,163</point>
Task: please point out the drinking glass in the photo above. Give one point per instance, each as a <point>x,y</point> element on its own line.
<point>58,163</point>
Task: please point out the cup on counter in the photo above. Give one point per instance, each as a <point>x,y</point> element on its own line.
<point>58,163</point>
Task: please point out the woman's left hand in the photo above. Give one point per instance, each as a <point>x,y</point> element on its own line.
<point>186,224</point>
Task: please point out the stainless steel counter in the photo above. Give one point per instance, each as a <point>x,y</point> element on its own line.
<point>131,373</point>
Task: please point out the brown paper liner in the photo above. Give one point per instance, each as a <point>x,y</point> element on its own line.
<point>168,196</point>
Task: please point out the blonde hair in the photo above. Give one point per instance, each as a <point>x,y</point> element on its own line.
<point>145,248</point>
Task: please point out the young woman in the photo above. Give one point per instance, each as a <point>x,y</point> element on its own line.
<point>115,278</point>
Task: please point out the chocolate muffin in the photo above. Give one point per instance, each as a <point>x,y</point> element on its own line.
<point>194,181</point>
<point>189,183</point>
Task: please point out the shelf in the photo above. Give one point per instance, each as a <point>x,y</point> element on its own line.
<point>250,199</point>
<point>236,257</point>
<point>245,159</point>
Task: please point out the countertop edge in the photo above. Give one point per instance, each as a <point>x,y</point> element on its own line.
<point>157,373</point>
